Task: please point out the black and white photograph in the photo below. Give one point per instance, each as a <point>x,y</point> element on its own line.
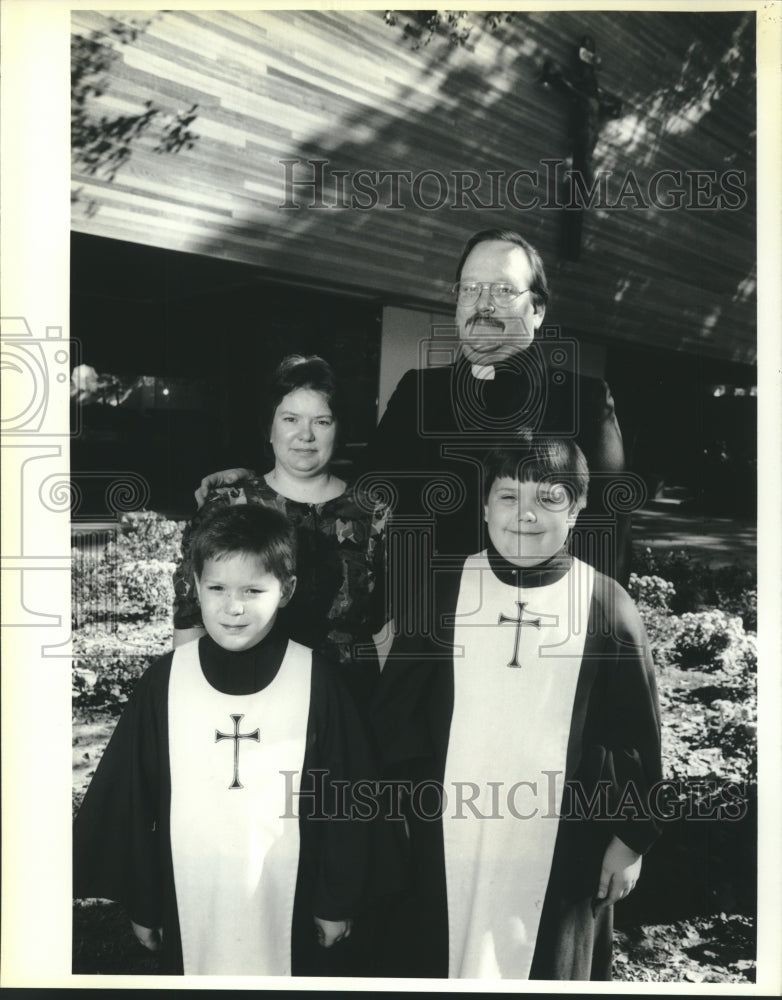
<point>391,485</point>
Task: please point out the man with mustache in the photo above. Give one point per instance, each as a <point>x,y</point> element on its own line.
<point>440,421</point>
<point>429,446</point>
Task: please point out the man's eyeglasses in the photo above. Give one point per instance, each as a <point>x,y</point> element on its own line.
<point>468,292</point>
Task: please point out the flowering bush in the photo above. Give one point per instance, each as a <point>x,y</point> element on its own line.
<point>127,577</point>
<point>661,629</point>
<point>708,639</point>
<point>122,594</point>
<point>697,586</point>
<point>706,664</point>
<point>147,536</point>
<point>146,588</point>
<point>652,591</point>
<point>744,605</point>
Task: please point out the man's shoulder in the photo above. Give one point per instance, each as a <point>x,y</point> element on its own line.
<point>592,386</point>
<point>421,394</point>
<point>574,391</point>
<point>415,377</point>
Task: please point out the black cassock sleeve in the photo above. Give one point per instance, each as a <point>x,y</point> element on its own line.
<point>630,719</point>
<point>117,832</point>
<point>614,748</point>
<point>394,443</point>
<point>336,840</point>
<point>614,744</point>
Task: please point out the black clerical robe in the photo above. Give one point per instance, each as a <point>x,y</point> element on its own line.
<point>440,422</point>
<point>435,689</point>
<point>123,831</point>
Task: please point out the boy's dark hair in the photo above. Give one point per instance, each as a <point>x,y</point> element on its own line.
<point>297,371</point>
<point>535,458</point>
<point>249,529</point>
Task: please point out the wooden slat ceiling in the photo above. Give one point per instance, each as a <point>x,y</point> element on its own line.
<point>348,88</point>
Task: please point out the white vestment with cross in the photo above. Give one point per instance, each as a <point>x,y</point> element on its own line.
<point>517,657</point>
<point>234,837</point>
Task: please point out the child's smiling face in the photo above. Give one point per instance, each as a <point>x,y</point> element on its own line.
<point>239,600</point>
<point>528,521</point>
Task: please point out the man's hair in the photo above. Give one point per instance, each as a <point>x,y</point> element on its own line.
<point>536,458</point>
<point>538,285</point>
<point>298,371</point>
<point>250,530</point>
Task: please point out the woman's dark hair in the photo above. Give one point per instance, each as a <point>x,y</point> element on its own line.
<point>297,371</point>
<point>538,285</point>
<point>539,458</point>
<point>247,529</point>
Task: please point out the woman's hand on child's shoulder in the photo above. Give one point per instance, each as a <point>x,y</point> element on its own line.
<point>150,937</point>
<point>224,478</point>
<point>621,870</point>
<point>329,932</point>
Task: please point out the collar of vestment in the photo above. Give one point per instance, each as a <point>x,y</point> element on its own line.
<point>517,392</point>
<point>542,575</point>
<point>483,372</point>
<point>247,671</point>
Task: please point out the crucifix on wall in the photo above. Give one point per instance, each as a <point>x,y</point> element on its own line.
<point>590,107</point>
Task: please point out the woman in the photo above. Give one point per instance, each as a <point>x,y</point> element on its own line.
<point>339,602</point>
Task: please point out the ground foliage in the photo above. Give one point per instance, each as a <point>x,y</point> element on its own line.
<point>706,663</point>
<point>713,949</point>
<point>690,920</point>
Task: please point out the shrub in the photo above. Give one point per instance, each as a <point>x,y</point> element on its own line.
<point>705,638</point>
<point>743,605</point>
<point>145,588</point>
<point>127,577</point>
<point>106,666</point>
<point>145,536</point>
<point>690,579</point>
<point>652,591</point>
<point>705,664</point>
<point>93,587</point>
<point>661,629</point>
<point>122,593</point>
<point>697,586</point>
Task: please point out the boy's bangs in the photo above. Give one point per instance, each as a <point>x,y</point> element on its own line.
<point>544,461</point>
<point>549,460</point>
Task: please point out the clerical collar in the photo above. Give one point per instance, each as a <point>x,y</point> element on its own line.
<point>529,364</point>
<point>247,671</point>
<point>542,575</point>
